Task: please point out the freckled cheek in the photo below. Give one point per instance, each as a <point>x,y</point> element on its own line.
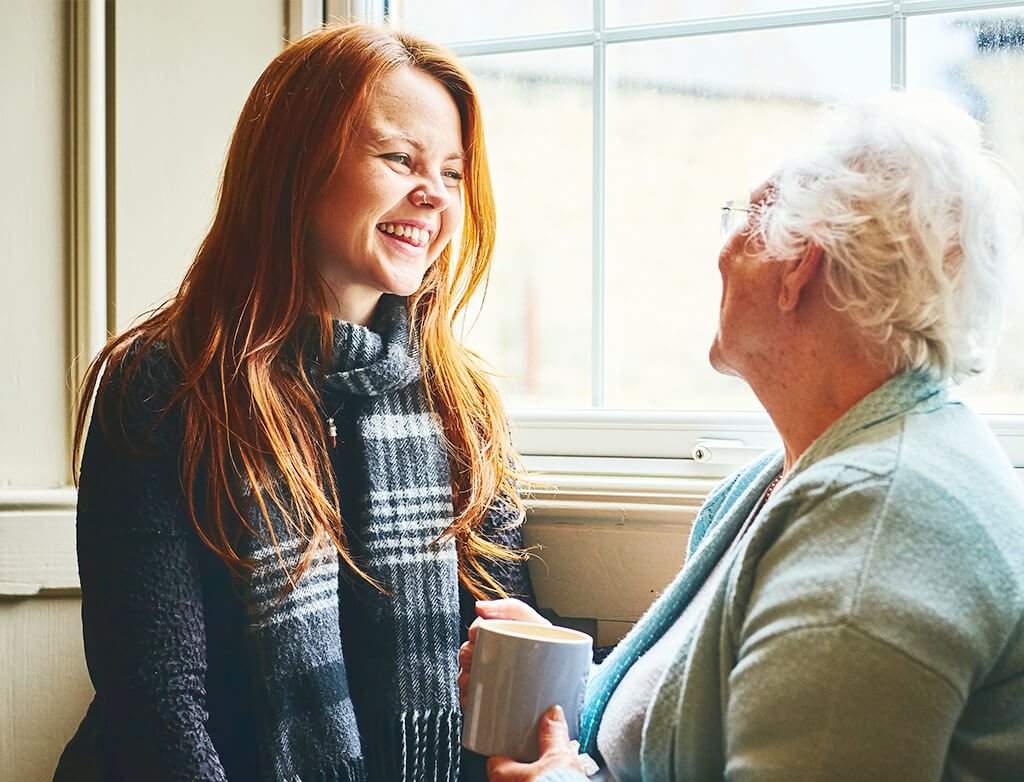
<point>449,225</point>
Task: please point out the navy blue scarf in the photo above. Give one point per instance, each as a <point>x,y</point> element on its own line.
<point>355,683</point>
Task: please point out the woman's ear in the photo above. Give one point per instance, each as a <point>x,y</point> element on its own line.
<point>799,272</point>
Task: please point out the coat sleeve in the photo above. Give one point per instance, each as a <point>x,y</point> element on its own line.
<point>500,526</point>
<point>142,607</point>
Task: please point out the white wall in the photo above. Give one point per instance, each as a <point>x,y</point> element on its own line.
<point>40,640</point>
<point>184,70</point>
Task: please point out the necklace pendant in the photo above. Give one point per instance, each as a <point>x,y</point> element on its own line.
<point>332,432</point>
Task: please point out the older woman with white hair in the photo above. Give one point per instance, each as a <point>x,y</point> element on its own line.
<point>852,606</point>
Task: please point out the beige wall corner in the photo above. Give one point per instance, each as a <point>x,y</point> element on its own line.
<point>183,72</point>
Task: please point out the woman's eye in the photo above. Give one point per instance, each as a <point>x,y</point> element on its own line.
<point>455,176</point>
<point>399,157</point>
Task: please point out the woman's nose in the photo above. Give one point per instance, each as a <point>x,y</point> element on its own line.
<point>431,192</point>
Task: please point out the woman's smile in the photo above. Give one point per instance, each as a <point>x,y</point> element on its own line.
<point>405,233</point>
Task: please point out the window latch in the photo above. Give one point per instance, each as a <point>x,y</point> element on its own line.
<point>708,450</point>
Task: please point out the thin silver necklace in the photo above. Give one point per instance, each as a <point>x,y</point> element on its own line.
<point>771,487</point>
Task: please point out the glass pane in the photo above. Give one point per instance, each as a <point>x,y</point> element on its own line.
<point>978,58</point>
<point>535,325</point>
<point>691,123</point>
<point>626,12</point>
<point>464,20</point>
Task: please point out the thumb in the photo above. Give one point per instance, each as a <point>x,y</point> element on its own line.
<point>554,732</point>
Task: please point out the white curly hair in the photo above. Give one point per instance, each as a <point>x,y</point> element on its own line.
<point>918,222</point>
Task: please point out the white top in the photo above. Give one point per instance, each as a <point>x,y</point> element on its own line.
<point>620,734</point>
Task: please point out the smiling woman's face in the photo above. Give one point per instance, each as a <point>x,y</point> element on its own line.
<point>395,200</point>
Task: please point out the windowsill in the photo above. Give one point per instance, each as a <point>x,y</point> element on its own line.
<point>37,526</point>
<point>571,494</point>
<point>37,543</point>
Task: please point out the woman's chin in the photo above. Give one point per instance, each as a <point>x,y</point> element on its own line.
<point>719,362</point>
<point>406,288</point>
<point>404,284</point>
<point>715,357</point>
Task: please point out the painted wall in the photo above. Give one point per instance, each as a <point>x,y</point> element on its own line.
<point>40,639</point>
<point>33,429</point>
<point>182,78</point>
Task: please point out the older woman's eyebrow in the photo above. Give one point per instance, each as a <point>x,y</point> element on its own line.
<point>413,142</point>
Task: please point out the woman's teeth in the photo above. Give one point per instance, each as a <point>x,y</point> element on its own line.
<point>412,235</point>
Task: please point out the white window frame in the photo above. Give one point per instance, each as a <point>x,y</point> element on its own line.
<point>655,444</point>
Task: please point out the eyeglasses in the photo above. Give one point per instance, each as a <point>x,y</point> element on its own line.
<point>736,214</point>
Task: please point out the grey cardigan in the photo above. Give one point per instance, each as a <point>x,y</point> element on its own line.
<point>872,625</point>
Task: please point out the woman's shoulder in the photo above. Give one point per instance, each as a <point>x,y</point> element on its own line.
<point>139,389</point>
<point>131,453</point>
<point>902,541</point>
<point>935,470</point>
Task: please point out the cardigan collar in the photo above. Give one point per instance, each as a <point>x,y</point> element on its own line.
<point>741,493</point>
<point>895,397</point>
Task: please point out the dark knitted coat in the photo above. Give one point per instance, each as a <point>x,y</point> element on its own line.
<point>163,618</point>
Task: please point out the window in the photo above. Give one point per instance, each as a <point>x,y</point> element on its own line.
<point>616,129</point>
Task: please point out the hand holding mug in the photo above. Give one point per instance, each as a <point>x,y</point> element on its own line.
<point>556,752</point>
<point>508,608</point>
<point>514,672</point>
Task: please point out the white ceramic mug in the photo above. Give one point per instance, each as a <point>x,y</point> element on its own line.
<point>519,671</point>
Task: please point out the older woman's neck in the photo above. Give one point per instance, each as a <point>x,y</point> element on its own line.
<point>825,375</point>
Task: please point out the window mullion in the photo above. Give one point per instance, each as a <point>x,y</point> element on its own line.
<point>597,316</point>
<point>899,47</point>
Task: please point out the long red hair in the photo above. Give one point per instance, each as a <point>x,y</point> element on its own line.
<point>239,324</point>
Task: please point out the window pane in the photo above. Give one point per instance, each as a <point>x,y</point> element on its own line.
<point>626,12</point>
<point>978,58</point>
<point>535,325</point>
<point>691,123</point>
<point>463,20</point>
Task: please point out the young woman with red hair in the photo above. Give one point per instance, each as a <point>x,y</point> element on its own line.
<point>295,476</point>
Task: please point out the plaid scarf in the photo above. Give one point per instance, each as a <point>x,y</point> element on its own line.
<point>354,683</point>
